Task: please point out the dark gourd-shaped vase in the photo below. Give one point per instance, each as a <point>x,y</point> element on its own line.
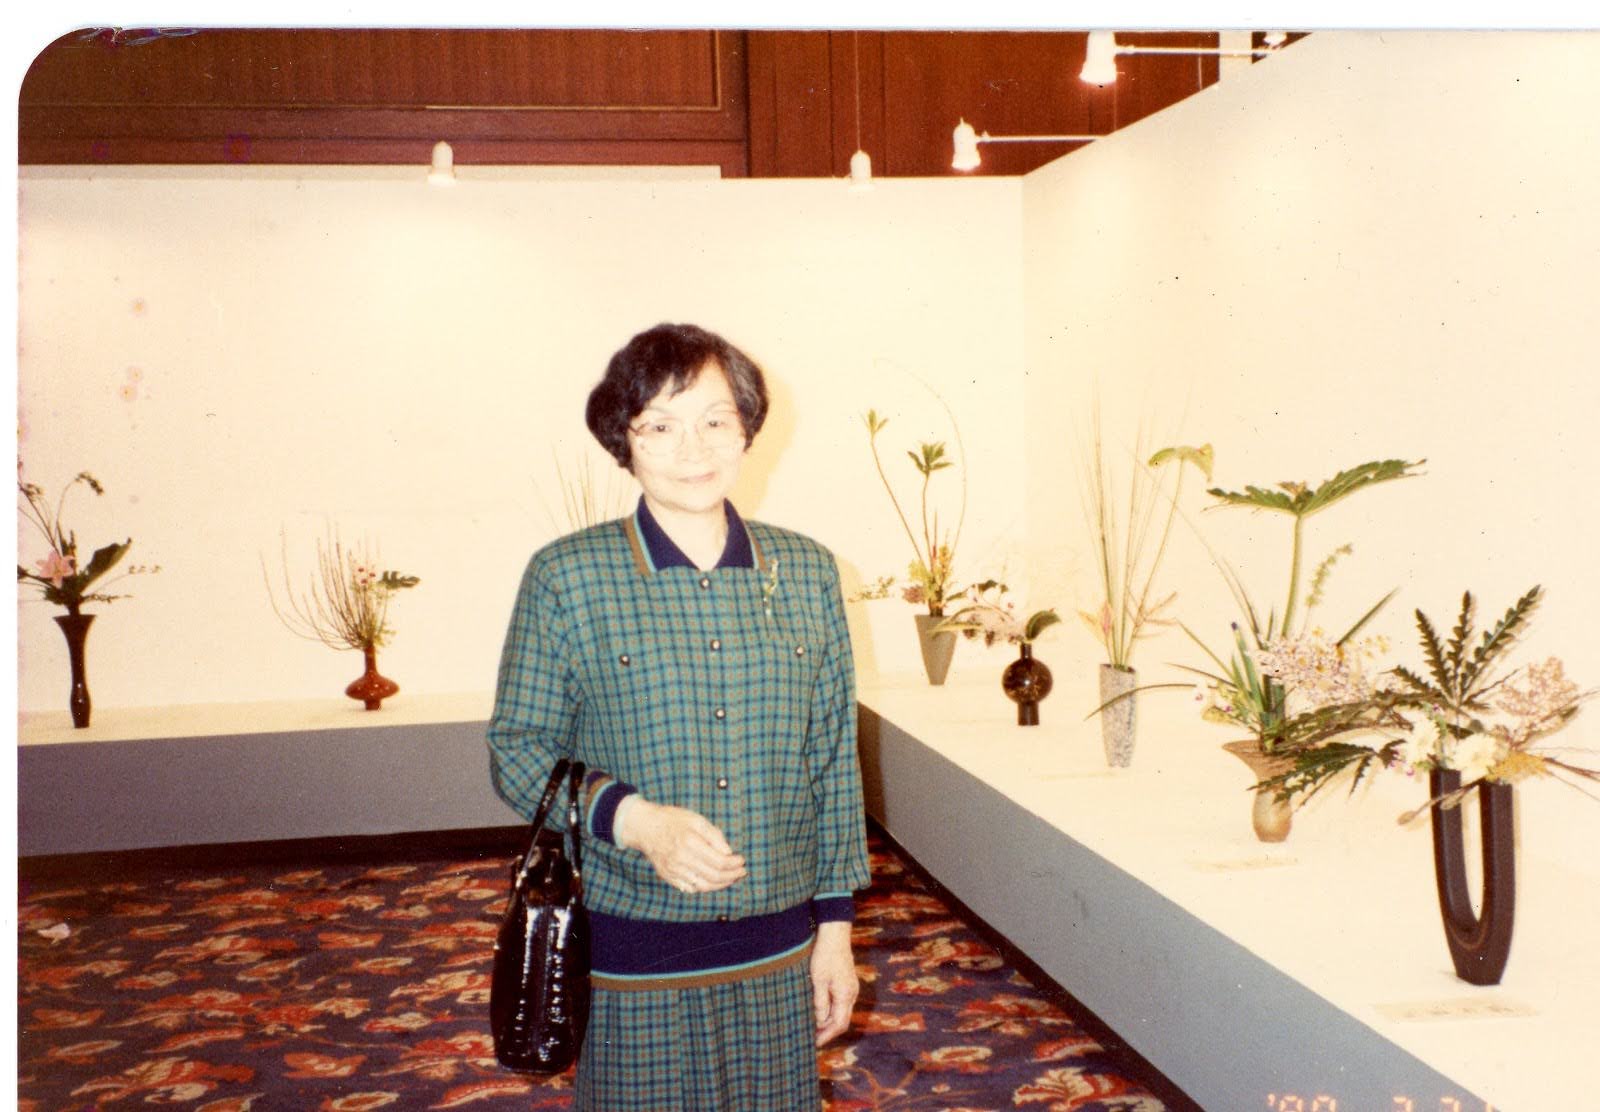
<point>372,689</point>
<point>1026,681</point>
<point>1479,942</point>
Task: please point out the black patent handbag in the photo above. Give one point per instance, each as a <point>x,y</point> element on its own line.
<point>539,992</point>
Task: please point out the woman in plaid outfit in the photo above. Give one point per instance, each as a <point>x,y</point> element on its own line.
<point>699,664</point>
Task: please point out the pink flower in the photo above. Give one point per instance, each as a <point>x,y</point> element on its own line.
<point>56,567</point>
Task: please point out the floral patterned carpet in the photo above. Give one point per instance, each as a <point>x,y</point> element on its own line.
<point>349,987</point>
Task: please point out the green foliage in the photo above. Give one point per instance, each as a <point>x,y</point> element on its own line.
<point>932,569</point>
<point>1454,692</point>
<point>1301,501</point>
<point>1459,681</point>
<point>72,590</point>
<point>1038,623</point>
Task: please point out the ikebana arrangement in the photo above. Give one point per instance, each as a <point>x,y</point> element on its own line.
<point>1240,692</point>
<point>345,606</point>
<point>933,564</point>
<point>1470,728</point>
<point>1128,553</point>
<point>59,579</point>
<point>989,612</point>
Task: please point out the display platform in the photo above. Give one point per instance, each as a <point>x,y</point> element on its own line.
<point>144,778</point>
<point>1307,976</point>
<point>1310,975</point>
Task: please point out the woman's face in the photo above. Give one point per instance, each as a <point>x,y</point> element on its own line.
<point>687,448</point>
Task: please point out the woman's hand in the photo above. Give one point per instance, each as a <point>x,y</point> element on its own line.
<point>834,984</point>
<point>684,848</point>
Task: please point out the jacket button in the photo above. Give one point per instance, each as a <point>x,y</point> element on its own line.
<point>722,783</point>
<point>624,660</point>
<point>720,713</point>
<point>705,582</point>
<point>799,650</point>
<point>716,645</point>
<point>722,918</point>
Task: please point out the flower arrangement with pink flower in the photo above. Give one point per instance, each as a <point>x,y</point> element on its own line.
<point>57,576</point>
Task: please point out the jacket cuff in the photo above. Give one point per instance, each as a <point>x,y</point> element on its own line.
<point>604,794</point>
<point>834,907</point>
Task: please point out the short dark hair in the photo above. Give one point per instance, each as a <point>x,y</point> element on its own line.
<point>669,356</point>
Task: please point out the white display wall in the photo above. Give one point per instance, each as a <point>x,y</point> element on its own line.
<point>233,352</point>
<point>1372,246</point>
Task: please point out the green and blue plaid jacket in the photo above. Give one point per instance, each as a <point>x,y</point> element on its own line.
<point>730,692</point>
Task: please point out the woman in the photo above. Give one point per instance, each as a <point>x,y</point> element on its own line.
<point>700,666</point>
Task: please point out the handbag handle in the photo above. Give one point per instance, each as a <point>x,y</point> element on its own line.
<point>574,822</point>
<point>565,769</point>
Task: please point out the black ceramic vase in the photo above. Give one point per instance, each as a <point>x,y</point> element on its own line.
<point>1026,681</point>
<point>76,628</point>
<point>1479,942</point>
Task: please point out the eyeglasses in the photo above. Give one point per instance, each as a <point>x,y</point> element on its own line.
<point>718,430</point>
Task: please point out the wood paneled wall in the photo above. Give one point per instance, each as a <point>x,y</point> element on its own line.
<point>351,96</point>
<point>767,103</point>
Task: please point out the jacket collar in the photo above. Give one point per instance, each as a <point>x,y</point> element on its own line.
<point>654,551</point>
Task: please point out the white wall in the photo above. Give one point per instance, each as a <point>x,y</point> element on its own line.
<point>1371,246</point>
<point>321,346</point>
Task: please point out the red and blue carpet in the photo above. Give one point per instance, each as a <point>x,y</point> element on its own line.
<point>348,987</point>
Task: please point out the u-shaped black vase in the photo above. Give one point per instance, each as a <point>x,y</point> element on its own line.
<point>1480,942</point>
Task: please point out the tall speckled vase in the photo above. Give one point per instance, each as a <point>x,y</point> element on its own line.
<point>1117,721</point>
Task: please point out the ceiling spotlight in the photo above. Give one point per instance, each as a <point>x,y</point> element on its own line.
<point>860,171</point>
<point>1100,54</point>
<point>966,141</point>
<point>1100,58</point>
<point>442,171</point>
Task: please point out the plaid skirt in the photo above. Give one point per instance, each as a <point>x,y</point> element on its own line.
<point>747,1046</point>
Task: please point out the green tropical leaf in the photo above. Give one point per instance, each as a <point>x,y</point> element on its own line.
<point>1356,478</point>
<point>1040,622</point>
<point>1254,497</point>
<point>103,560</point>
<point>1295,498</point>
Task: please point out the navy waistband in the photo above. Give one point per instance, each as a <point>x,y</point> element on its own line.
<point>647,948</point>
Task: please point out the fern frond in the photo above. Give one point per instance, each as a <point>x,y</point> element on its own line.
<point>1459,638</point>
<point>1414,681</point>
<point>1432,651</point>
<point>1500,638</point>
